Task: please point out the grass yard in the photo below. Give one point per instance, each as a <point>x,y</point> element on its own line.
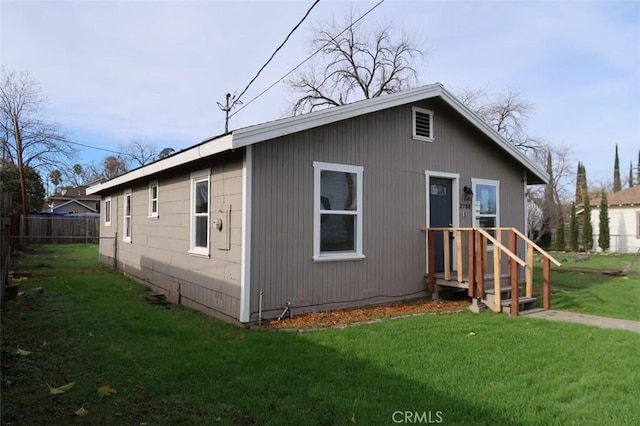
<point>86,324</point>
<point>579,285</point>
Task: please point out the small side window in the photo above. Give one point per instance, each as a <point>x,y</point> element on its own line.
<point>107,211</point>
<point>200,229</point>
<point>153,199</point>
<point>126,231</point>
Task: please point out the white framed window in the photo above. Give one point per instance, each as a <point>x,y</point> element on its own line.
<point>337,229</point>
<point>126,224</point>
<point>107,211</point>
<point>486,203</point>
<point>422,121</point>
<point>200,229</point>
<point>153,199</point>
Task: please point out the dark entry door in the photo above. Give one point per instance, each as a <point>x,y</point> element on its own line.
<point>440,214</point>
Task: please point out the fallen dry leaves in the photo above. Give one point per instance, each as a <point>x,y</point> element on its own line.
<point>344,317</point>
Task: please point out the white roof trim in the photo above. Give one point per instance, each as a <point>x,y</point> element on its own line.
<point>262,132</point>
<point>274,129</point>
<point>202,150</point>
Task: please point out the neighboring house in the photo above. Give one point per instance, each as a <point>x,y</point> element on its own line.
<point>73,201</point>
<point>322,210</point>
<point>624,220</point>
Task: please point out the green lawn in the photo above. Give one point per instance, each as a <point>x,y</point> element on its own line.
<point>580,286</point>
<point>599,261</point>
<point>91,326</point>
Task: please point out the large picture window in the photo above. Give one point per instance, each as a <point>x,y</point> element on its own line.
<point>200,213</point>
<point>337,212</point>
<point>126,231</point>
<point>486,207</point>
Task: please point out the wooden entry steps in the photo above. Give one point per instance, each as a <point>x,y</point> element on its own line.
<point>524,303</point>
<point>479,252</point>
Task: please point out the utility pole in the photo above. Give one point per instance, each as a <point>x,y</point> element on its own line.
<point>231,102</point>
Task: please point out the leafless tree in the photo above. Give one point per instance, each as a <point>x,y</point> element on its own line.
<point>507,114</point>
<point>357,63</point>
<point>140,152</point>
<point>545,202</point>
<point>30,140</point>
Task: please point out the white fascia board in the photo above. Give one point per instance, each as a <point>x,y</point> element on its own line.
<point>286,126</point>
<point>205,149</point>
<point>495,136</point>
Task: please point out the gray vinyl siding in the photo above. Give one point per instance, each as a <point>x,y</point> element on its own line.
<point>158,252</point>
<point>394,205</point>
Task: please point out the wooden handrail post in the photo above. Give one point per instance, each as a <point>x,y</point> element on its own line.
<point>513,274</point>
<point>496,279</point>
<point>431,260</point>
<point>481,251</point>
<point>447,254</point>
<point>471,262</point>
<point>459,265</point>
<point>529,271</point>
<point>546,283</point>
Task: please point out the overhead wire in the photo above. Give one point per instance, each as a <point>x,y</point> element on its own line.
<point>306,60</point>
<point>277,49</point>
<point>95,147</point>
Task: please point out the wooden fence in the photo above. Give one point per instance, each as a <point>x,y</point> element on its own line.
<point>61,229</point>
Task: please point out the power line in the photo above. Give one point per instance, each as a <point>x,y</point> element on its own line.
<point>307,59</point>
<point>277,50</point>
<point>95,147</point>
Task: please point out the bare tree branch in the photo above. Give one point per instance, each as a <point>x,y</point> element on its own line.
<point>359,64</point>
<point>29,142</point>
<point>140,152</point>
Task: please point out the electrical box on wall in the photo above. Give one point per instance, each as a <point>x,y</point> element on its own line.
<point>221,227</point>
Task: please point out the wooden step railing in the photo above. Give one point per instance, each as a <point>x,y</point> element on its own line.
<point>477,258</point>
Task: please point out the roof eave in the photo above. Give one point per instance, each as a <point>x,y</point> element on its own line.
<point>541,175</point>
<point>266,131</point>
<point>205,149</point>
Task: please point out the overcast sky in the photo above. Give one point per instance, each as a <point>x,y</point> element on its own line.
<point>114,71</point>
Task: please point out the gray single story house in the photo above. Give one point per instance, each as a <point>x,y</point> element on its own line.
<point>322,210</point>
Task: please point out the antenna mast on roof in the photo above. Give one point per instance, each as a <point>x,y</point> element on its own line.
<point>231,101</point>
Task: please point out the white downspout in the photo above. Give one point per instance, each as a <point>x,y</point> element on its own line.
<point>245,263</point>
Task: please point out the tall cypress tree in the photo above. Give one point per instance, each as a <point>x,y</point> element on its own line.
<point>587,228</point>
<point>579,184</point>
<point>560,240</point>
<point>604,238</point>
<point>617,185</point>
<point>573,229</point>
<point>630,175</point>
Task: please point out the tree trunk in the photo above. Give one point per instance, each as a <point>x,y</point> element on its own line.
<point>23,185</point>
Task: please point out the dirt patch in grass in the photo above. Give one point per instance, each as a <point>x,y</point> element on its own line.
<point>345,317</point>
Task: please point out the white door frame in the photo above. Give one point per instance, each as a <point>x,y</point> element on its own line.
<point>455,206</point>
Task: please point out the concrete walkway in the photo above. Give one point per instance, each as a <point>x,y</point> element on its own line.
<point>592,320</point>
